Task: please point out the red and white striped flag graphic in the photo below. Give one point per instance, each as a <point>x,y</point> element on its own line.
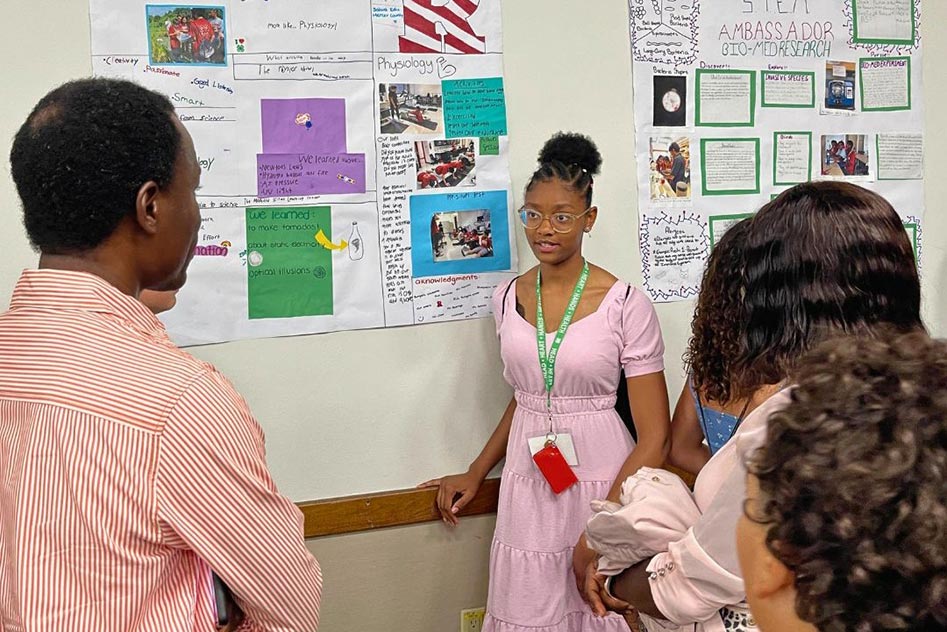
<point>440,27</point>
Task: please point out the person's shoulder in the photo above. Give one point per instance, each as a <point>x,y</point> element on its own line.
<point>600,278</point>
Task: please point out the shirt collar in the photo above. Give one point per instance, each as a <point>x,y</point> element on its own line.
<point>66,290</point>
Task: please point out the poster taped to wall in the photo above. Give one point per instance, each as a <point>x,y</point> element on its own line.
<point>738,100</point>
<point>354,164</point>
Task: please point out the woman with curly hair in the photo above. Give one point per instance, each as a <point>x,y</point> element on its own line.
<point>708,408</point>
<point>845,524</point>
<point>823,259</point>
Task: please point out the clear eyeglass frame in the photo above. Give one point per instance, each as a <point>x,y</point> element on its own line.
<point>560,222</point>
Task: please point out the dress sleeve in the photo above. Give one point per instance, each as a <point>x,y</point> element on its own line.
<point>500,295</point>
<point>642,344</point>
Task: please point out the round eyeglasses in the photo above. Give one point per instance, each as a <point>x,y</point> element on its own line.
<point>560,222</point>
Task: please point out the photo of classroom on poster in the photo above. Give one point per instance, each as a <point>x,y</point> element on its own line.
<point>461,234</point>
<point>445,163</point>
<point>844,155</point>
<point>407,108</point>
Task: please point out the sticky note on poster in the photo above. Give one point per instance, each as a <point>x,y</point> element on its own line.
<point>490,146</point>
<point>309,174</point>
<point>474,107</point>
<point>288,273</point>
<point>301,126</point>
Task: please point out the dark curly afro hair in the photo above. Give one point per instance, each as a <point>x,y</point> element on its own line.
<point>571,158</point>
<point>82,155</point>
<point>853,484</point>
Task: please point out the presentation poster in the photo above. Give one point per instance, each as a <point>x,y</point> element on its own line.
<point>738,100</point>
<point>354,160</point>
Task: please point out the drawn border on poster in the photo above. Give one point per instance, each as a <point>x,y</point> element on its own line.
<point>912,224</point>
<point>703,71</point>
<point>764,104</point>
<point>703,166</point>
<point>776,145</point>
<point>892,42</point>
<point>861,84</point>
<point>644,236</point>
<point>878,160</point>
<point>720,218</point>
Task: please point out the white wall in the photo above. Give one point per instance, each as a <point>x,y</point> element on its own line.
<point>362,411</point>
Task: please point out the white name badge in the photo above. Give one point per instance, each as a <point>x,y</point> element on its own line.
<point>563,442</point>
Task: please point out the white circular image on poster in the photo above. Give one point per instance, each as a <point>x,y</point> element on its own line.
<point>254,258</point>
<point>671,100</point>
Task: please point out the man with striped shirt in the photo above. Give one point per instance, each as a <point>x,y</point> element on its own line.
<point>129,470</point>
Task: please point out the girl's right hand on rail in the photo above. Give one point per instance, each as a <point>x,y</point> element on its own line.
<point>448,488</point>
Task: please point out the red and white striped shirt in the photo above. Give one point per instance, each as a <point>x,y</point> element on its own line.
<point>128,471</point>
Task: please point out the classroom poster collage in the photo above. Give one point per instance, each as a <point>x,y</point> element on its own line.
<point>734,105</point>
<point>354,157</point>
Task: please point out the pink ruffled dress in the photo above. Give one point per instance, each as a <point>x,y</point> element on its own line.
<point>532,587</point>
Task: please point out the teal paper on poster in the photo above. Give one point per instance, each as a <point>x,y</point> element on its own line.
<point>474,107</point>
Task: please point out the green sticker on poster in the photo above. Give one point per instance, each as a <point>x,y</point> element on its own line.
<point>489,145</point>
<point>289,269</point>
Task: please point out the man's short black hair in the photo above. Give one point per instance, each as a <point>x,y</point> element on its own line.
<point>674,147</point>
<point>82,155</point>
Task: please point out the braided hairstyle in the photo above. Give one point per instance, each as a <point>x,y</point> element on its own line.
<point>570,158</point>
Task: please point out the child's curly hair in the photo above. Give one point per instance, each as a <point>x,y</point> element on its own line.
<point>717,327</point>
<point>853,484</point>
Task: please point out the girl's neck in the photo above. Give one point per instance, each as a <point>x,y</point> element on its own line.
<point>565,274</point>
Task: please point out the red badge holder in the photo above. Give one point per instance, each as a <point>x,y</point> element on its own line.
<point>553,465</point>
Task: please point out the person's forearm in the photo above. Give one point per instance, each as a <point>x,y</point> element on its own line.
<point>632,586</point>
<point>495,449</point>
<point>648,453</point>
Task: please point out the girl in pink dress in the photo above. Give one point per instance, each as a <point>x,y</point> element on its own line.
<point>538,552</point>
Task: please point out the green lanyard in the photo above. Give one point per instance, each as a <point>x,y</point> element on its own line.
<point>548,362</point>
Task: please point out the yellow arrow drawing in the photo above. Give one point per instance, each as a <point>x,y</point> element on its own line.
<point>323,241</point>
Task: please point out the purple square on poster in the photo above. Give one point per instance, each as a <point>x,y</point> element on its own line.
<point>309,174</point>
<point>298,126</point>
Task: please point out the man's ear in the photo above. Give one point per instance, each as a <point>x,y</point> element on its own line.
<point>146,206</point>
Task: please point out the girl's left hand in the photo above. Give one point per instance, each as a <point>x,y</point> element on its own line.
<point>583,559</point>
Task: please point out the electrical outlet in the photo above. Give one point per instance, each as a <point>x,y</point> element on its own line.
<point>471,620</point>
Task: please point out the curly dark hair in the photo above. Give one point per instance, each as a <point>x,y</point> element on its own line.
<point>717,326</point>
<point>571,158</point>
<point>822,259</point>
<point>853,484</point>
<point>82,155</point>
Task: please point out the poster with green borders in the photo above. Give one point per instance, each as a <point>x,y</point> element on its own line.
<point>861,84</point>
<point>703,166</point>
<point>786,73</point>
<point>718,224</point>
<point>289,274</point>
<point>707,71</point>
<point>776,136</point>
<point>860,38</point>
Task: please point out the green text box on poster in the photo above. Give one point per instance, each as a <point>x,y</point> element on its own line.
<point>289,274</point>
<point>474,107</point>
